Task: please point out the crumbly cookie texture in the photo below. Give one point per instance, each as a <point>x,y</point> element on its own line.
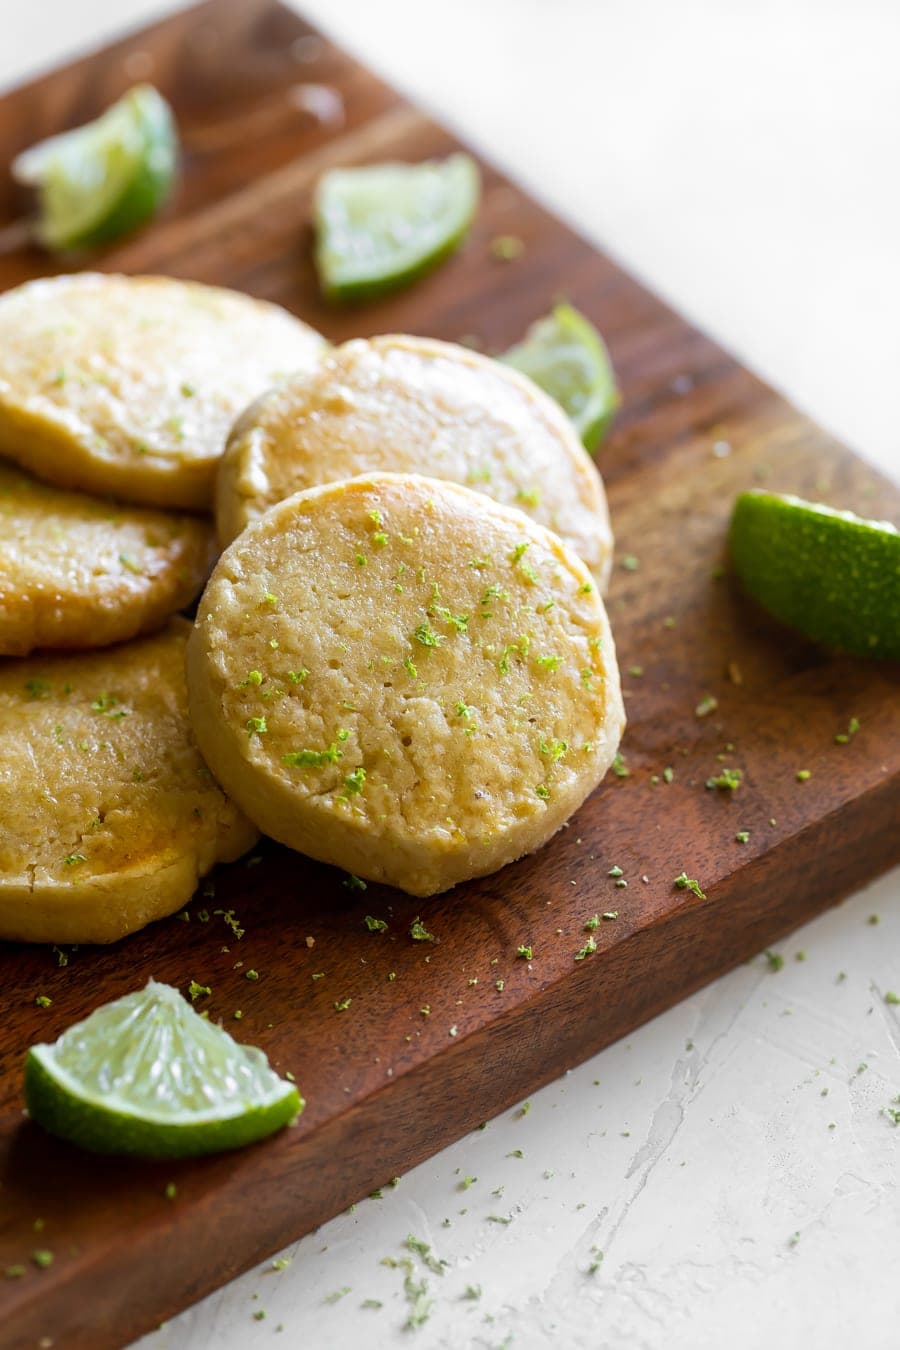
<point>399,676</point>
<point>128,385</point>
<point>110,816</point>
<point>414,405</point>
<point>78,571</point>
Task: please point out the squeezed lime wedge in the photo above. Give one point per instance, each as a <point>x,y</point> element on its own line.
<point>381,226</point>
<point>567,357</point>
<point>831,575</point>
<point>148,1076</point>
<point>103,179</point>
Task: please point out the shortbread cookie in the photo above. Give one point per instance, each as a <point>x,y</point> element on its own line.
<point>77,571</point>
<point>414,405</point>
<point>109,814</point>
<point>399,676</point>
<point>128,386</point>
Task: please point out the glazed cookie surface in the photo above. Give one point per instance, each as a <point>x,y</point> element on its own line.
<point>78,571</point>
<point>396,675</point>
<point>128,386</point>
<point>415,405</point>
<point>109,814</point>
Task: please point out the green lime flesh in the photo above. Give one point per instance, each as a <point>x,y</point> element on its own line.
<point>103,179</point>
<point>382,226</point>
<point>146,1076</point>
<point>567,357</point>
<point>829,574</point>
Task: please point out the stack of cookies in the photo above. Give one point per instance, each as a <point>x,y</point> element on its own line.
<point>401,663</point>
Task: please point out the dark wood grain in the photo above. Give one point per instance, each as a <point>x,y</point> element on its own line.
<point>386,1085</point>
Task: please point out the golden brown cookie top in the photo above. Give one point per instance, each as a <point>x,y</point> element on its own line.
<point>100,774</point>
<point>415,405</point>
<point>129,385</point>
<point>406,663</point>
<point>80,571</point>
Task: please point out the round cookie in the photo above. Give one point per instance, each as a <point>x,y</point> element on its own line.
<point>128,386</point>
<point>76,571</point>
<point>109,814</point>
<point>414,405</point>
<point>397,675</point>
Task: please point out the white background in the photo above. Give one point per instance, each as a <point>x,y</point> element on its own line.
<point>731,1159</point>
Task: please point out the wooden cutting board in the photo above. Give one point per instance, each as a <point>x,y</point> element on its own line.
<point>388,1085</point>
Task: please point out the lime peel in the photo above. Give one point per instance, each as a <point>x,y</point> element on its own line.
<point>147,1076</point>
<point>381,226</point>
<point>101,180</point>
<point>831,575</point>
<point>567,357</point>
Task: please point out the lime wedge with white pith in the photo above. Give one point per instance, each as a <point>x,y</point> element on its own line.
<point>830,574</point>
<point>148,1076</point>
<point>381,226</point>
<point>105,178</point>
<point>567,357</point>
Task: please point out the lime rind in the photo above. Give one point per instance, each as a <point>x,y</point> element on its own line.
<point>102,180</point>
<point>831,575</point>
<point>567,357</point>
<point>147,1076</point>
<point>381,226</point>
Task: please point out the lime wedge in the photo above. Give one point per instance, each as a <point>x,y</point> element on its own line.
<point>382,226</point>
<point>148,1076</point>
<point>103,179</point>
<point>567,357</point>
<point>830,574</point>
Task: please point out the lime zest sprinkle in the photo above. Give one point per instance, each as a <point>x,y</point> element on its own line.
<point>426,635</point>
<point>419,933</point>
<point>506,248</point>
<point>313,759</point>
<point>619,767</point>
<point>375,925</point>
<point>425,1254</point>
<point>354,782</point>
<point>686,883</point>
<point>843,737</point>
<point>728,780</point>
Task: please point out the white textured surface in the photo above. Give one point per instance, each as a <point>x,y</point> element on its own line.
<point>743,158</point>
